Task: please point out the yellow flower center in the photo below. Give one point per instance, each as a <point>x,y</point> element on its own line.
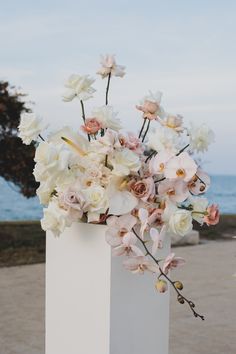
<point>180,172</point>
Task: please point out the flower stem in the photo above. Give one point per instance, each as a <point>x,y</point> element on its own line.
<point>179,295</point>
<point>182,150</point>
<point>108,86</point>
<point>150,156</point>
<point>141,131</point>
<point>40,136</point>
<point>83,115</point>
<point>148,126</point>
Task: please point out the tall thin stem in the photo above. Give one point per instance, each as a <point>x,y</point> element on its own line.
<point>180,296</point>
<point>107,89</point>
<point>148,126</point>
<point>182,150</point>
<point>83,115</point>
<point>141,131</point>
<point>40,136</point>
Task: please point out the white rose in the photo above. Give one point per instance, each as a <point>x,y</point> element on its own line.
<point>200,137</point>
<point>96,201</point>
<point>180,222</point>
<point>30,127</point>
<point>164,138</point>
<point>55,218</point>
<point>124,162</point>
<point>44,192</point>
<point>199,206</point>
<point>107,117</point>
<point>80,87</point>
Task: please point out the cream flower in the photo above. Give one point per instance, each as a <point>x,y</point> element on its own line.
<point>174,122</point>
<point>124,162</point>
<point>30,127</point>
<point>55,218</point>
<point>80,87</point>
<point>180,222</point>
<point>109,66</point>
<point>150,106</point>
<point>96,202</point>
<point>106,116</point>
<point>182,167</point>
<point>199,206</point>
<point>164,138</point>
<point>200,137</point>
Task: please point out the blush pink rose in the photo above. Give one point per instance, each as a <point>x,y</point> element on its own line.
<point>149,109</point>
<point>213,216</point>
<point>91,126</point>
<point>143,189</point>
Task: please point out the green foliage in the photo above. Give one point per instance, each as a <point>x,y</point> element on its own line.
<point>16,159</point>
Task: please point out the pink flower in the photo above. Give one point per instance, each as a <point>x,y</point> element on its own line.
<point>172,262</point>
<point>92,126</point>
<point>140,264</point>
<point>109,66</point>
<point>157,238</point>
<point>213,216</point>
<point>200,183</point>
<point>157,163</point>
<point>143,189</point>
<point>150,109</point>
<point>182,167</point>
<point>120,236</point>
<point>73,202</point>
<point>132,142</point>
<point>175,190</point>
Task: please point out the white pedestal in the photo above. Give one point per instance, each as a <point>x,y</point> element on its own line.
<point>95,306</point>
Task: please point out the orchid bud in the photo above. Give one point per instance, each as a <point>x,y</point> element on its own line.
<point>161,286</point>
<point>178,285</point>
<point>180,299</point>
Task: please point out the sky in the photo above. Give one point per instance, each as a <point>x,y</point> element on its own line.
<point>185,49</point>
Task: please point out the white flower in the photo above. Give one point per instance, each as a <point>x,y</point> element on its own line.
<point>107,117</point>
<point>182,167</point>
<point>199,206</point>
<point>96,201</point>
<point>200,137</point>
<point>55,218</point>
<point>164,138</point>
<point>180,222</point>
<point>80,87</point>
<point>44,192</point>
<point>109,66</point>
<point>124,162</point>
<point>30,127</point>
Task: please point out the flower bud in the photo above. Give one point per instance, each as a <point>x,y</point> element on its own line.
<point>178,285</point>
<point>161,286</point>
<point>180,299</point>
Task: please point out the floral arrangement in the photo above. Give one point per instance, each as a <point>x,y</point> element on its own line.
<point>142,185</point>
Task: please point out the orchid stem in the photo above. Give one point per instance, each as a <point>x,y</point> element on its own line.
<point>179,295</point>
<point>83,116</point>
<point>182,150</point>
<point>150,156</point>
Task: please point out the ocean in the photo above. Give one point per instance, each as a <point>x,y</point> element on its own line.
<point>13,206</point>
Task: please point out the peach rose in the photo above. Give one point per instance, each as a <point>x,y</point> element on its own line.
<point>92,126</point>
<point>213,216</point>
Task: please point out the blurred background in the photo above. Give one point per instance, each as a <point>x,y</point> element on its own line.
<point>187,50</point>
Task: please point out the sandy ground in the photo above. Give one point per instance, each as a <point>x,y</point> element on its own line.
<point>208,280</point>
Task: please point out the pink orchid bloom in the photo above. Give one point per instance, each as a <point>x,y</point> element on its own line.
<point>157,238</point>
<point>182,167</point>
<point>128,246</point>
<point>157,163</point>
<point>140,264</point>
<point>118,227</point>
<point>200,183</point>
<point>172,262</point>
<point>213,216</point>
<point>175,190</point>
